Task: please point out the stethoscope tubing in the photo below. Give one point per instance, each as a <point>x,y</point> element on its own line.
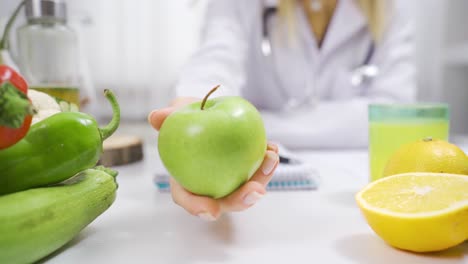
<point>268,50</point>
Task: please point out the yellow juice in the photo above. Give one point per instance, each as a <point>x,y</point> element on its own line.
<point>69,94</point>
<point>385,137</point>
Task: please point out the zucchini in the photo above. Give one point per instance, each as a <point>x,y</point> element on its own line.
<point>36,222</point>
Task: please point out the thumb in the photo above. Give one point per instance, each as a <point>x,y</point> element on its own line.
<point>157,117</point>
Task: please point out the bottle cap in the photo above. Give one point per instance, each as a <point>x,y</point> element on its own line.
<point>52,9</point>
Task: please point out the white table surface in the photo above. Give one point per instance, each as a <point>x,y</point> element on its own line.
<point>322,226</point>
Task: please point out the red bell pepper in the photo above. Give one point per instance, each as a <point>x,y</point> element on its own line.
<point>15,108</point>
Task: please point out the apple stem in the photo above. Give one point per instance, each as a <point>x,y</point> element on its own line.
<point>208,95</point>
<point>427,139</point>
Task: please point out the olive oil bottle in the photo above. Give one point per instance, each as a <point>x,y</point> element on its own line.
<point>48,50</point>
<point>69,94</point>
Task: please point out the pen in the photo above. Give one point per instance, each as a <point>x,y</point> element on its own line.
<point>288,160</point>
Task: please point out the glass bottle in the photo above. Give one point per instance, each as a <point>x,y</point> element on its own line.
<point>48,50</point>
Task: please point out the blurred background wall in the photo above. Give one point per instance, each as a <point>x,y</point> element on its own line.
<point>138,47</point>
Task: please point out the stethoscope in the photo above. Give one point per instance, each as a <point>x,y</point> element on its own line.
<point>360,76</point>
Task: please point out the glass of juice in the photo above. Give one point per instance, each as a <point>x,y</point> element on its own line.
<point>392,125</point>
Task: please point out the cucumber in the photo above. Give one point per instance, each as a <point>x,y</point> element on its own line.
<point>36,222</point>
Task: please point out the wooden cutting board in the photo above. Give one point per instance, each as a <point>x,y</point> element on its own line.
<point>121,150</point>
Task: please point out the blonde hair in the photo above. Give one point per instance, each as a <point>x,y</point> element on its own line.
<point>373,10</point>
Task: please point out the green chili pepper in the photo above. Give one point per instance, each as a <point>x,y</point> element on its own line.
<point>55,149</point>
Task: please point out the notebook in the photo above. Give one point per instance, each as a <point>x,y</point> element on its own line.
<point>287,177</point>
<point>292,174</point>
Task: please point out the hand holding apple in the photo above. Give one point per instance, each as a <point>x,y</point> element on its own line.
<point>226,142</point>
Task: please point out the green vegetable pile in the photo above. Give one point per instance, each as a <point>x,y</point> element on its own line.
<point>50,188</point>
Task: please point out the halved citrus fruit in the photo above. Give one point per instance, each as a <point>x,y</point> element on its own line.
<point>419,212</point>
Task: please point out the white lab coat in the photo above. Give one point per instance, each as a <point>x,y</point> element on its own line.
<point>336,112</point>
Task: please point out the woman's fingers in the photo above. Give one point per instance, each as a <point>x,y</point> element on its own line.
<point>157,117</point>
<point>265,172</point>
<point>273,147</point>
<point>243,198</point>
<point>252,191</point>
<point>201,206</point>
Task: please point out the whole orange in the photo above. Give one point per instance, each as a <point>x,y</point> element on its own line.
<point>428,155</point>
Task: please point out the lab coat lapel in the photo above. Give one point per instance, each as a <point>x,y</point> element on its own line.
<point>347,20</point>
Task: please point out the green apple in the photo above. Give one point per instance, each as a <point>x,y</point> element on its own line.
<point>214,146</point>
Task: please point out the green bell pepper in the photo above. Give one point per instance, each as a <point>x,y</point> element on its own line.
<point>55,149</point>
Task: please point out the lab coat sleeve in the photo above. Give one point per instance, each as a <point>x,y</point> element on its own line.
<point>220,59</point>
<point>333,124</point>
<point>343,122</point>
